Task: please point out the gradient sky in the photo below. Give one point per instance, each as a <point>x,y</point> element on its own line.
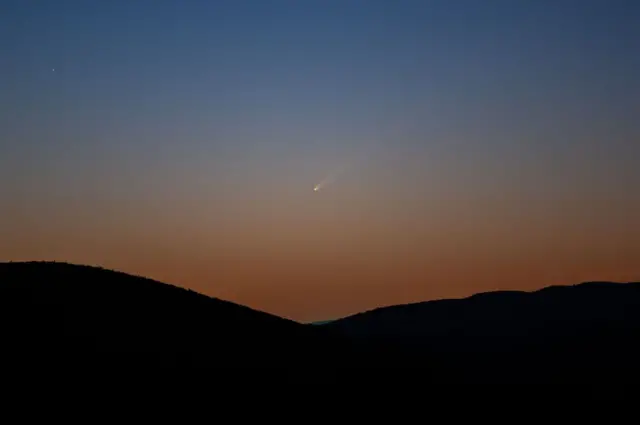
<point>482,144</point>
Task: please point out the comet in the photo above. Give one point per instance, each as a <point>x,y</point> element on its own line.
<point>328,179</point>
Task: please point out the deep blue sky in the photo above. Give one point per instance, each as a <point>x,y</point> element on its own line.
<point>197,117</point>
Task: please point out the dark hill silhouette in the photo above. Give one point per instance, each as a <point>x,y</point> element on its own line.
<point>58,315</point>
<point>585,332</point>
<point>52,312</point>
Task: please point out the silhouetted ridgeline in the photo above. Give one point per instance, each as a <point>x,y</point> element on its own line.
<point>53,311</point>
<point>57,313</point>
<point>585,332</point>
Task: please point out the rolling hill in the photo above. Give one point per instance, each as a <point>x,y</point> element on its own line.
<point>58,314</point>
<point>589,331</point>
<point>52,312</point>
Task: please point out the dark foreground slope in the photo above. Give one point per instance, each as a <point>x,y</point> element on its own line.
<point>583,333</point>
<point>59,316</point>
<point>56,312</point>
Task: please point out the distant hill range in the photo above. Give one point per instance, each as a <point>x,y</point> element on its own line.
<point>321,322</point>
<point>80,315</point>
<point>580,333</point>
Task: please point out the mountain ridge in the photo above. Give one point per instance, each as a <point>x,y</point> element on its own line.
<point>95,313</point>
<point>478,295</point>
<point>56,313</point>
<point>127,275</point>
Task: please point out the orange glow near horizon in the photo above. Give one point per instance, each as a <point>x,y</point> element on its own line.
<point>315,259</point>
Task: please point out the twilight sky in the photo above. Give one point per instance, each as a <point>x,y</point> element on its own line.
<point>477,145</point>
